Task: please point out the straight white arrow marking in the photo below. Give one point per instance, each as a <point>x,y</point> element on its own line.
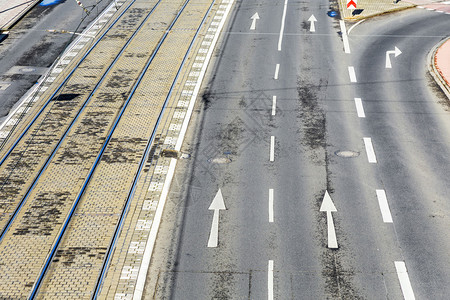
<point>216,205</point>
<point>403,277</point>
<point>328,207</point>
<point>312,27</point>
<point>396,52</point>
<point>254,18</point>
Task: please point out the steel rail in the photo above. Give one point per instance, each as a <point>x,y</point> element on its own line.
<point>62,85</point>
<point>53,153</point>
<point>54,249</point>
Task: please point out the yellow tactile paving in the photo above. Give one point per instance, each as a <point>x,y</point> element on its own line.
<point>112,181</point>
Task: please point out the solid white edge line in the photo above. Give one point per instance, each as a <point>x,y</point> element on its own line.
<point>142,275</point>
<point>384,206</point>
<point>270,281</point>
<point>344,36</point>
<point>270,205</point>
<point>403,277</point>
<point>274,105</point>
<point>280,40</point>
<point>277,70</point>
<point>272,148</point>
<point>352,74</point>
<point>359,108</point>
<point>369,150</point>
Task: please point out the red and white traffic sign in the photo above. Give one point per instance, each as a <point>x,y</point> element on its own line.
<point>351,4</point>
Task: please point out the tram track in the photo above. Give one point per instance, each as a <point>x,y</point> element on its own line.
<point>66,132</point>
<point>50,209</point>
<point>14,161</point>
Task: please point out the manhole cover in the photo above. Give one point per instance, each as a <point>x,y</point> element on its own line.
<point>219,160</point>
<point>27,70</point>
<point>346,153</point>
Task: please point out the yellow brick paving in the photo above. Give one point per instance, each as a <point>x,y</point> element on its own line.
<point>28,241</point>
<point>21,167</point>
<point>371,8</point>
<point>82,250</point>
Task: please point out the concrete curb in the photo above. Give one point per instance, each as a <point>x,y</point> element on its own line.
<point>434,69</point>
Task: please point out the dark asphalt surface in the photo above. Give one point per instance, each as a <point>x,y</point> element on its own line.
<point>407,118</point>
<point>29,44</point>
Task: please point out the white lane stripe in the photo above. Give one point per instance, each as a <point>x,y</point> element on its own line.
<point>280,40</point>
<point>270,205</point>
<point>274,105</point>
<point>384,206</point>
<point>272,148</point>
<point>403,277</point>
<point>270,281</point>
<point>369,150</point>
<point>344,36</point>
<point>359,108</point>
<point>277,69</point>
<point>352,74</point>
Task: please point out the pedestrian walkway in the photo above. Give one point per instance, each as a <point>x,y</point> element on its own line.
<point>13,10</point>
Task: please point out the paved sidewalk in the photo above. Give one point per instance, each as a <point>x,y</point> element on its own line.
<point>13,10</point>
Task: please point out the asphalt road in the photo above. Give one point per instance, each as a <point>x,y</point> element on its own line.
<point>321,143</point>
<point>30,49</point>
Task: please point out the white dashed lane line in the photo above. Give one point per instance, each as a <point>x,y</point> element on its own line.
<point>270,281</point>
<point>359,108</point>
<point>272,148</point>
<point>369,150</point>
<point>384,206</point>
<point>403,277</point>
<point>277,70</point>
<point>274,105</point>
<point>270,205</point>
<point>352,74</point>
